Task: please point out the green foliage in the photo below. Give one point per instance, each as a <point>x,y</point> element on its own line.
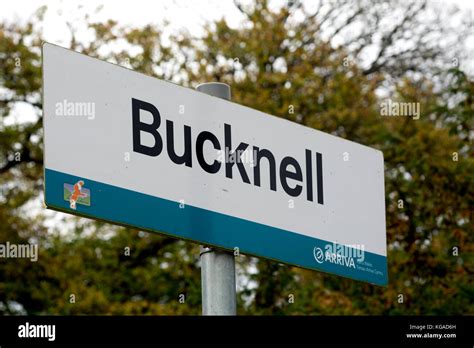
<point>285,68</point>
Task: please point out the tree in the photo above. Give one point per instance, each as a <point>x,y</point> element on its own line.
<point>293,69</point>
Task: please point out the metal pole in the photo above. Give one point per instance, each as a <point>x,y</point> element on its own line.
<point>217,266</point>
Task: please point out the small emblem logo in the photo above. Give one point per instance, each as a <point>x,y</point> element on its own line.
<point>77,194</point>
<point>318,255</point>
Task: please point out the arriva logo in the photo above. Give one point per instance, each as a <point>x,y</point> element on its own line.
<point>318,255</point>
<point>340,254</point>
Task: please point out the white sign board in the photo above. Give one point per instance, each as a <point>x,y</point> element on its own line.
<point>138,151</point>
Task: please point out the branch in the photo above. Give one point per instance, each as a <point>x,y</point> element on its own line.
<point>388,39</point>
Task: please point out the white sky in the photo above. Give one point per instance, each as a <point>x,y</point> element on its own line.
<point>181,14</point>
<point>188,15</point>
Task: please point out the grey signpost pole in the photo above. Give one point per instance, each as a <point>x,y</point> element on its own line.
<point>217,266</point>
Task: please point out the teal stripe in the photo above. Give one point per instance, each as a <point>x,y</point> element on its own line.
<point>130,208</point>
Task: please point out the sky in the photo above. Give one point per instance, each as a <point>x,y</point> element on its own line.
<point>187,14</point>
<point>190,15</point>
<point>180,13</point>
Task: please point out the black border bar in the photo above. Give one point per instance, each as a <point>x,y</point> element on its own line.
<point>290,330</point>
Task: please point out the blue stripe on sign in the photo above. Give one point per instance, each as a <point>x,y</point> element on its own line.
<point>126,207</point>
